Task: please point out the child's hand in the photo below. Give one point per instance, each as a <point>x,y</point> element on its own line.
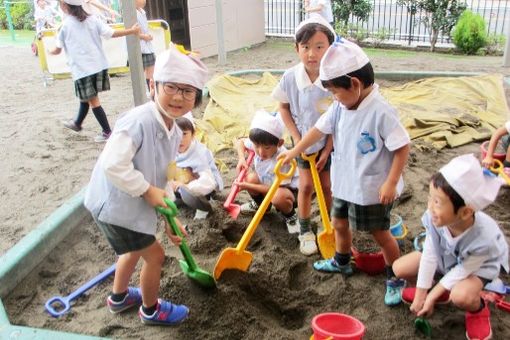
<point>287,157</point>
<point>241,164</point>
<point>387,193</point>
<point>322,161</point>
<point>488,161</point>
<point>136,29</point>
<point>417,304</point>
<point>171,236</point>
<point>154,196</point>
<point>242,185</point>
<point>427,308</point>
<point>148,37</point>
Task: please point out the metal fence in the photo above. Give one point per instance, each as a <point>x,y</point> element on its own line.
<point>387,18</point>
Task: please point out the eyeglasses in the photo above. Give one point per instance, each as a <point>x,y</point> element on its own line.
<point>172,89</point>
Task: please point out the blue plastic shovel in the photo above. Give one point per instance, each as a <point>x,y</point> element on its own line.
<point>63,304</point>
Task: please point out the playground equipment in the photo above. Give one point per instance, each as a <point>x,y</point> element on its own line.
<point>238,258</point>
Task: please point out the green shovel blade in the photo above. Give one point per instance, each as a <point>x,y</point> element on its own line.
<point>423,326</point>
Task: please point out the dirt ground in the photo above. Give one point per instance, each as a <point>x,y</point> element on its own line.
<point>43,165</point>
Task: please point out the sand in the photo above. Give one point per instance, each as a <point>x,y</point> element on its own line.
<point>43,165</point>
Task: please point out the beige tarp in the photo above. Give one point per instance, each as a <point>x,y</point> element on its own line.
<point>438,111</point>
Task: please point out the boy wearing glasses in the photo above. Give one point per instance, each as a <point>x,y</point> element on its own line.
<point>128,182</point>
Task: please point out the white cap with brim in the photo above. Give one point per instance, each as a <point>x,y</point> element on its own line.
<point>175,67</point>
<point>342,58</point>
<point>74,2</point>
<point>466,176</point>
<point>316,19</point>
<point>268,122</point>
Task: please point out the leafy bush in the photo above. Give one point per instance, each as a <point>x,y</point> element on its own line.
<point>380,36</point>
<point>469,35</point>
<point>495,44</point>
<point>22,15</point>
<point>352,31</point>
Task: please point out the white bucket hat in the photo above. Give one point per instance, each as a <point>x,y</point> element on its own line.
<point>341,58</point>
<point>316,19</point>
<point>268,122</point>
<point>74,2</point>
<point>466,176</point>
<point>176,67</point>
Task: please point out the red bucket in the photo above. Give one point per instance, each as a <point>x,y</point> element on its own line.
<point>370,263</point>
<point>496,155</point>
<point>337,326</point>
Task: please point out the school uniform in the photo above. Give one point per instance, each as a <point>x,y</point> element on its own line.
<point>82,44</point>
<point>481,250</point>
<point>364,140</point>
<point>148,56</point>
<point>136,156</point>
<point>201,162</point>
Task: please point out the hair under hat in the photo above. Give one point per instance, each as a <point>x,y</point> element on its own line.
<point>342,58</point>
<point>176,67</point>
<point>74,2</point>
<point>316,19</point>
<point>465,175</point>
<point>268,122</point>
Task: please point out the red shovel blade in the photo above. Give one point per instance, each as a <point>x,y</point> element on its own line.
<point>233,210</point>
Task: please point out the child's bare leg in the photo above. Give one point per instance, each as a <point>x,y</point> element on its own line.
<point>304,200</point>
<point>406,267</point>
<point>325,178</point>
<point>388,244</point>
<point>283,200</point>
<point>343,235</point>
<point>123,270</point>
<point>252,178</point>
<point>466,294</point>
<point>150,275</point>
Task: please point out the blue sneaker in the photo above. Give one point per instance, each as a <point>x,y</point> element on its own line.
<point>167,314</point>
<point>393,294</point>
<point>132,299</point>
<point>331,266</point>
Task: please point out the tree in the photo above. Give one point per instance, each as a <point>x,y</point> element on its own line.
<point>342,10</point>
<point>440,15</point>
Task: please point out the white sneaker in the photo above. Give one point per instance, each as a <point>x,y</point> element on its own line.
<point>307,245</point>
<point>200,214</point>
<point>102,137</point>
<point>292,224</point>
<point>249,207</point>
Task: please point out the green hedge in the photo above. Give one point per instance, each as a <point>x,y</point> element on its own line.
<point>22,15</point>
<point>470,35</point>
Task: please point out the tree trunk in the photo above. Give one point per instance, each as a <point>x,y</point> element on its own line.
<point>433,39</point>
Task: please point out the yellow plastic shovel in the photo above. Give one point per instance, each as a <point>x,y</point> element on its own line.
<point>326,238</point>
<point>238,258</point>
<point>498,168</point>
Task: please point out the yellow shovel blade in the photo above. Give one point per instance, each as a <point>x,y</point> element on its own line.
<point>231,258</point>
<point>326,242</point>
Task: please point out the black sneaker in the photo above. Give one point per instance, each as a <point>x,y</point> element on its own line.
<point>70,124</point>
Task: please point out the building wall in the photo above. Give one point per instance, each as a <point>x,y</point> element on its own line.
<point>175,13</point>
<point>243,24</point>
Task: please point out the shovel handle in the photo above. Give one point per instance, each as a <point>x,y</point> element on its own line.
<point>318,190</point>
<point>243,243</point>
<point>235,188</point>
<point>170,213</point>
<point>498,168</point>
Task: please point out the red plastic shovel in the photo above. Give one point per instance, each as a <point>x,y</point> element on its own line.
<point>229,205</point>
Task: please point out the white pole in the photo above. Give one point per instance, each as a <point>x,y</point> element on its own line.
<point>134,54</point>
<point>506,56</point>
<point>222,55</point>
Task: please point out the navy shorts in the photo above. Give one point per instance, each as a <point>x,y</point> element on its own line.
<point>124,240</point>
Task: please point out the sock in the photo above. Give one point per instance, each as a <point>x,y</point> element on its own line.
<point>389,272</point>
<point>291,213</point>
<point>304,225</point>
<point>82,113</point>
<point>150,310</point>
<point>148,81</point>
<point>118,297</point>
<point>258,199</point>
<point>342,259</point>
<point>101,118</point>
<point>506,164</point>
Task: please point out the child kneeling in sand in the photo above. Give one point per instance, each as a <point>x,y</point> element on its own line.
<point>463,244</point>
<point>266,141</point>
<point>370,151</point>
<point>195,162</point>
<point>128,180</point>
<point>502,133</point>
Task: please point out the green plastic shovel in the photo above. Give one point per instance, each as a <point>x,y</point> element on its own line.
<point>188,265</point>
<point>423,326</point>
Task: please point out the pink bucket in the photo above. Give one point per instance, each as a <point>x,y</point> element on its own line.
<point>337,326</point>
<point>496,155</point>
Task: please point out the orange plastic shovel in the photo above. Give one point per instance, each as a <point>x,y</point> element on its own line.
<point>498,168</point>
<point>238,258</point>
<point>326,238</point>
<point>229,205</point>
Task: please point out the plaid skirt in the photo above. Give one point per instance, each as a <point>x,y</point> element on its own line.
<point>363,217</point>
<point>88,87</point>
<point>148,59</point>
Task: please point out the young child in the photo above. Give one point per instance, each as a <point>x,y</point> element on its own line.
<point>503,134</point>
<point>463,244</point>
<point>302,101</point>
<point>370,151</point>
<point>319,8</point>
<point>44,16</point>
<point>201,176</point>
<point>128,180</point>
<point>266,141</point>
<point>148,56</point>
<point>80,37</point>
